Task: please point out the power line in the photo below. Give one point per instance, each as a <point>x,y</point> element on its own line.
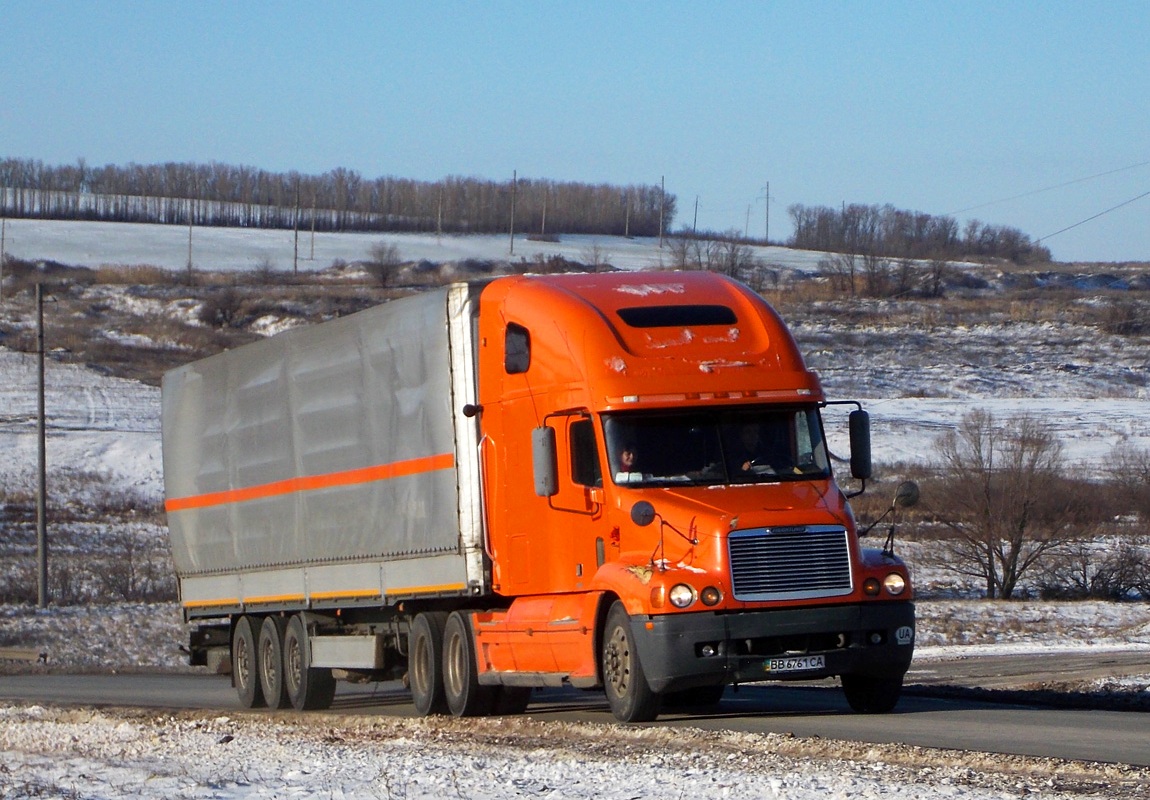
<point>1048,189</point>
<point>1096,216</point>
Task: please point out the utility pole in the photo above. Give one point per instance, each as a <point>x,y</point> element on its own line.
<point>42,493</point>
<point>3,238</point>
<point>295,231</point>
<point>514,187</point>
<point>314,202</point>
<point>191,216</point>
<point>662,205</point>
<point>695,224</point>
<point>767,226</point>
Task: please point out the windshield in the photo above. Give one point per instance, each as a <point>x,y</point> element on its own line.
<point>709,447</point>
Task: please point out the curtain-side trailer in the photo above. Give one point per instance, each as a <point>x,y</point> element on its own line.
<point>614,480</point>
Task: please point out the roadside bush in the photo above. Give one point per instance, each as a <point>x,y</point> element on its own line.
<point>1087,571</point>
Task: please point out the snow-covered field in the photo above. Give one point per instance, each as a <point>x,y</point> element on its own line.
<point>105,431</point>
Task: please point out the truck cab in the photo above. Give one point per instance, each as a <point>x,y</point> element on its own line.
<point>661,505</point>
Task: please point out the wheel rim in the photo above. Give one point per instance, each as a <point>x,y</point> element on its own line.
<point>293,664</point>
<point>243,665</point>
<point>453,665</point>
<point>421,664</point>
<point>268,653</point>
<point>617,662</point>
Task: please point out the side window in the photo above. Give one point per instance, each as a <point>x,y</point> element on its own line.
<point>516,349</point>
<point>584,455</point>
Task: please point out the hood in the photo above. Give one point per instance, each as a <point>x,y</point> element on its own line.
<point>714,510</point>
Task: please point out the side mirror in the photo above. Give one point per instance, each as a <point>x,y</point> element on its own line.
<point>642,513</point>
<point>545,467</point>
<point>859,423</point>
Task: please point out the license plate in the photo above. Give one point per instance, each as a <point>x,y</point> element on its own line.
<point>795,664</point>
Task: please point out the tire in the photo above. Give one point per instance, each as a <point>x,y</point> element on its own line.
<point>699,697</point>
<point>628,693</point>
<point>245,664</point>
<point>308,688</point>
<point>425,663</point>
<point>870,695</point>
<point>465,697</point>
<point>271,662</point>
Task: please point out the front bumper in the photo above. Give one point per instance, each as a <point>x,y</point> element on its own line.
<point>681,651</point>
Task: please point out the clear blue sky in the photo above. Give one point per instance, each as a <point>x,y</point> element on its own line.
<point>930,106</point>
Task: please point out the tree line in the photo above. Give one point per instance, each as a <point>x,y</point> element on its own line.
<point>894,233</point>
<point>226,195</point>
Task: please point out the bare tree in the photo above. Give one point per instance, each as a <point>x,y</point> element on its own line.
<point>384,263</point>
<point>1007,502</point>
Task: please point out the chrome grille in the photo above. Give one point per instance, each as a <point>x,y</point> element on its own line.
<point>790,563</point>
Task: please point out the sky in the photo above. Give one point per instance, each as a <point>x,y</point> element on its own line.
<point>1034,115</point>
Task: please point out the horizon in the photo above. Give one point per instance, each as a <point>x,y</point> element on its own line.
<point>1026,116</point>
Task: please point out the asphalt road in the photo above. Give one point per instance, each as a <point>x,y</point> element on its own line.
<point>1084,734</point>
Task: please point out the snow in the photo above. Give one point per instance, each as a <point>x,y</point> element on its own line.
<point>106,754</point>
<point>97,244</point>
<point>105,431</point>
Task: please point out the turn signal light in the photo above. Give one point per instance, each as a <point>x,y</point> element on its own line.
<point>871,587</point>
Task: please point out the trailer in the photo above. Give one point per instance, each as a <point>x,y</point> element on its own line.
<point>615,481</point>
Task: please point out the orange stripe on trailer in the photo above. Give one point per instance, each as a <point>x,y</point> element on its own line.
<point>230,601</point>
<point>308,483</point>
<point>363,594</point>
<point>441,589</point>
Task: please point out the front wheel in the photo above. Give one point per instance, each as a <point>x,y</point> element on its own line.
<point>628,693</point>
<point>870,695</point>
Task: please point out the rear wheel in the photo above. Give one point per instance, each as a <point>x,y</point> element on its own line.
<point>245,664</point>
<point>425,663</point>
<point>628,693</point>
<point>271,662</point>
<point>870,695</point>
<point>308,687</point>
<point>465,697</point>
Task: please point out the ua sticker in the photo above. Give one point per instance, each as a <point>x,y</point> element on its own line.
<point>904,635</point>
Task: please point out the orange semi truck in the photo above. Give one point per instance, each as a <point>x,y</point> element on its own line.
<point>614,480</point>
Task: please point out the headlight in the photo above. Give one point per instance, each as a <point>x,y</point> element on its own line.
<point>894,583</point>
<point>681,595</point>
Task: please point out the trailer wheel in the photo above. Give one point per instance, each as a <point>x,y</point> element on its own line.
<point>465,697</point>
<point>271,662</point>
<point>308,687</point>
<point>425,663</point>
<point>870,695</point>
<point>245,664</point>
<point>628,692</point>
